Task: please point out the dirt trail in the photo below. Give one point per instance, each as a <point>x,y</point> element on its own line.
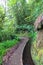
<point>16,57</point>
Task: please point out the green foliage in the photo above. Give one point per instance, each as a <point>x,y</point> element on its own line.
<point>26,14</point>
<point>20,17</point>
<point>6,35</point>
<point>2,16</point>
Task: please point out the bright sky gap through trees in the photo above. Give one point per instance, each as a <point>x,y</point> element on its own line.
<point>3,3</point>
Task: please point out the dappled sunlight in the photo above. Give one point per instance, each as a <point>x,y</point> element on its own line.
<point>2,2</point>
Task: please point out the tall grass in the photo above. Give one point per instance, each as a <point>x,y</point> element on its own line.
<point>4,46</point>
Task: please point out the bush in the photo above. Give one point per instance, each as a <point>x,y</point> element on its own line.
<point>7,36</point>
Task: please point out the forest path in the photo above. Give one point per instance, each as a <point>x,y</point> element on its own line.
<point>16,57</point>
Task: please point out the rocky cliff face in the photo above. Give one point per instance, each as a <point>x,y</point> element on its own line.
<point>38,21</point>
<point>39,41</point>
<point>39,28</point>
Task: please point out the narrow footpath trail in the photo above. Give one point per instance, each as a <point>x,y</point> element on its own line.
<point>16,57</point>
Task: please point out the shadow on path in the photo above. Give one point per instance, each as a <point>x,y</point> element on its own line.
<point>27,59</point>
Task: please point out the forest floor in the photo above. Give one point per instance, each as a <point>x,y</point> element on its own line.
<point>14,56</point>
